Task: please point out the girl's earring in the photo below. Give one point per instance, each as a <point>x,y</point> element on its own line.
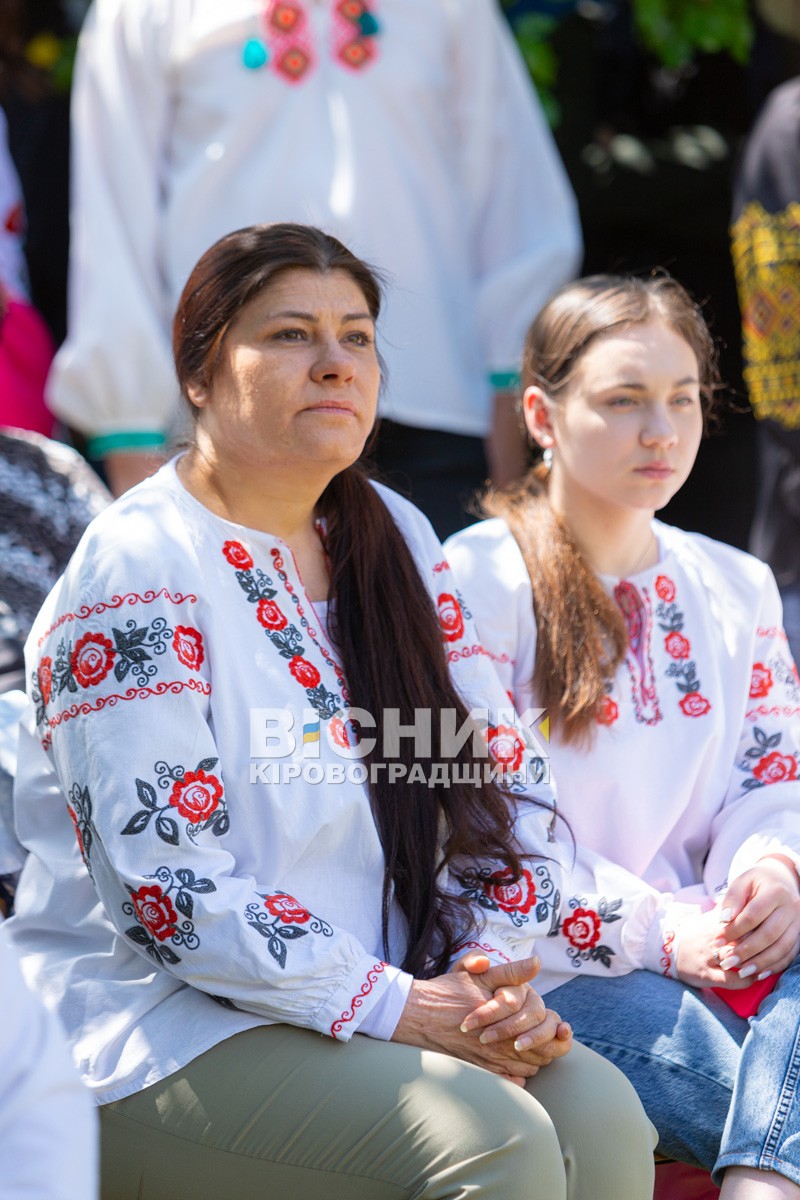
<point>547,458</point>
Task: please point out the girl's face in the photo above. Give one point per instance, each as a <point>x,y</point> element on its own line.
<point>626,430</point>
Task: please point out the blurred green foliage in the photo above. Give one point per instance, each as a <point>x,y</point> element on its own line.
<point>675,31</point>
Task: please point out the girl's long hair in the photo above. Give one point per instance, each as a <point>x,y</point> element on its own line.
<point>581,637</point>
<point>383,621</point>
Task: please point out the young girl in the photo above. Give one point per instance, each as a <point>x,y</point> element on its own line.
<point>673,704</point>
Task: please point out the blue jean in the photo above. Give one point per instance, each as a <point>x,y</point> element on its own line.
<point>721,1091</point>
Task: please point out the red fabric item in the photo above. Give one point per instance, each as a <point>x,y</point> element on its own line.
<point>745,1003</point>
<point>26,352</point>
<point>676,1181</point>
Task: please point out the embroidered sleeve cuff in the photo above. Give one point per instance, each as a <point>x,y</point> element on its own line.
<point>493,950</point>
<point>124,440</point>
<point>661,946</point>
<point>342,1015</point>
<point>381,1021</point>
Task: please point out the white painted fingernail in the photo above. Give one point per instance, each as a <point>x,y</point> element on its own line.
<point>763,975</point>
<point>464,1028</point>
<point>745,971</point>
<point>521,1044</point>
<point>728,964</point>
<point>726,915</point>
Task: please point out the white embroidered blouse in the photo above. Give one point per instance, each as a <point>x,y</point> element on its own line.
<point>173,864</point>
<point>693,774</point>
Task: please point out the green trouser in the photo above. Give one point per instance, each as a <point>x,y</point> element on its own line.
<point>279,1112</point>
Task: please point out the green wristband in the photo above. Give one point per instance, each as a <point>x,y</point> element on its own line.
<point>504,381</point>
<point>137,439</point>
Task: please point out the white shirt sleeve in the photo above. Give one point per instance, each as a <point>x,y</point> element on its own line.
<point>524,220</point>
<point>114,373</point>
<point>48,1134</point>
<point>761,811</point>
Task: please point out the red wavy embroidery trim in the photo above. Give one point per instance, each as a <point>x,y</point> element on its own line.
<point>772,632</point>
<point>441,566</point>
<point>471,651</point>
<point>82,710</point>
<point>358,999</point>
<point>666,948</point>
<point>777,710</point>
<point>129,598</point>
<point>481,946</point>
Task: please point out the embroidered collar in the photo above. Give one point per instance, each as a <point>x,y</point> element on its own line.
<point>285,43</point>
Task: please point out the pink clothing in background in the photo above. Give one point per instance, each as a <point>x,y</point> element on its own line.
<point>26,351</point>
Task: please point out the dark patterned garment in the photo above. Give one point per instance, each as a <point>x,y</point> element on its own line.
<point>765,240</point>
<point>48,495</point>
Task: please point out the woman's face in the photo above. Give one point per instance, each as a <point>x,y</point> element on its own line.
<point>626,430</point>
<point>298,376</point>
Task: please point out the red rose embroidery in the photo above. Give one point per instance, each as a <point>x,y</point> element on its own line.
<point>188,645</point>
<point>156,912</point>
<point>582,928</point>
<point>608,711</point>
<point>304,672</point>
<point>289,910</point>
<point>775,767</point>
<point>270,615</point>
<point>505,746</point>
<point>514,896</point>
<point>237,556</point>
<point>78,834</point>
<point>450,617</point>
<point>665,588</point>
<point>196,795</point>
<point>92,659</point>
<point>46,679</point>
<point>761,681</point>
<point>338,733</point>
<point>351,9</point>
<point>694,705</point>
<point>677,645</point>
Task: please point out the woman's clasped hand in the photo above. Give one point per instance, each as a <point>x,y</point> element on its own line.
<point>509,1032</point>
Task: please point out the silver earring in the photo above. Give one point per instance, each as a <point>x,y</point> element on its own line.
<point>547,458</point>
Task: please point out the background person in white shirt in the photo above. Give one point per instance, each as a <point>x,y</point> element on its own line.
<point>199,925</point>
<point>674,703</point>
<point>407,128</point>
<point>48,1126</point>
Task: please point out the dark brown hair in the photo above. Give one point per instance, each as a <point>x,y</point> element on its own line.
<point>384,622</point>
<point>581,638</point>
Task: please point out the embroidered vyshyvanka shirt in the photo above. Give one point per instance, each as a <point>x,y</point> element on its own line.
<point>164,870</point>
<point>693,773</point>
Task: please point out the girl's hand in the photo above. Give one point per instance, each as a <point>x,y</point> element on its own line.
<point>696,962</point>
<point>436,1009</point>
<point>762,935</point>
<point>518,1013</point>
